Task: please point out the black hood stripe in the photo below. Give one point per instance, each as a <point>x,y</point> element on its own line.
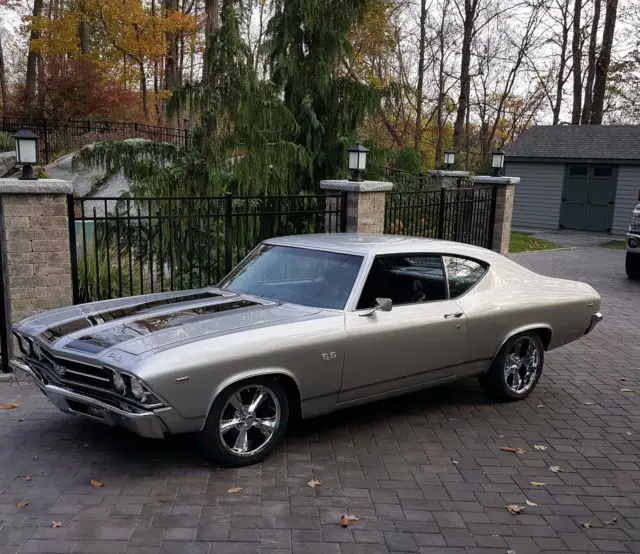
<point>54,333</point>
<point>111,336</point>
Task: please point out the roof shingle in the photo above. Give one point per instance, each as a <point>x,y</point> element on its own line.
<point>612,142</point>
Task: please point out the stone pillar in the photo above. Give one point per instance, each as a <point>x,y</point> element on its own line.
<point>35,237</point>
<point>505,190</point>
<point>365,203</point>
<point>445,178</point>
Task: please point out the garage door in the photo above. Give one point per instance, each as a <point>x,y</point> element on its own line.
<point>588,198</point>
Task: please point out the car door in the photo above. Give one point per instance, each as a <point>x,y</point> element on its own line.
<point>422,339</point>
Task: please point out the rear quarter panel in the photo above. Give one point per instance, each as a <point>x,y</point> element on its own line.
<point>501,306</point>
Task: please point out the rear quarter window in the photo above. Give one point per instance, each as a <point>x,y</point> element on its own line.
<point>463,274</point>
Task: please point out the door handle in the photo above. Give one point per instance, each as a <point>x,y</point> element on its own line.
<point>451,316</point>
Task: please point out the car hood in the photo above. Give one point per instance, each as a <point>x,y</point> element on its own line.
<point>141,325</point>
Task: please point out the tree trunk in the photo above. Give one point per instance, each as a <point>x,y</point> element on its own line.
<point>602,65</point>
<point>576,52</point>
<point>143,90</point>
<point>441,77</point>
<point>212,24</point>
<point>591,72</point>
<point>171,59</point>
<point>156,103</point>
<point>32,63</point>
<point>3,81</point>
<point>557,106</point>
<point>470,8</point>
<point>417,132</point>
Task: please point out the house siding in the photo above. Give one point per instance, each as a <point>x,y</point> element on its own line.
<point>538,196</point>
<point>626,198</point>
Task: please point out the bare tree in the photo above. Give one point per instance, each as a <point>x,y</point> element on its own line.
<point>591,68</point>
<point>417,133</point>
<point>604,60</point>
<point>469,17</point>
<point>3,80</point>
<point>576,52</point>
<point>32,62</point>
<point>561,77</point>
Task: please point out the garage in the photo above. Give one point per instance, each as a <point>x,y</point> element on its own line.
<point>583,178</point>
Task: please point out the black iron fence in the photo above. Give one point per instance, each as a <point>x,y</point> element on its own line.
<point>57,138</point>
<point>407,181</point>
<point>128,246</point>
<point>458,214</point>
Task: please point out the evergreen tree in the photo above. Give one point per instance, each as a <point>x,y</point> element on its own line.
<point>307,43</point>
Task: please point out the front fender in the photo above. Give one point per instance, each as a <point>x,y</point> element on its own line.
<point>244,376</point>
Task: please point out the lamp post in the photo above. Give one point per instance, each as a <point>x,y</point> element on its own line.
<point>357,161</point>
<point>449,158</point>
<point>497,161</point>
<point>26,153</point>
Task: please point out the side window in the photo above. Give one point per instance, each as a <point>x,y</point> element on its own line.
<point>405,280</point>
<point>462,274</point>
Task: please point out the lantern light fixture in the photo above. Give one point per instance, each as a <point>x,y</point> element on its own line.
<point>357,161</point>
<point>26,152</point>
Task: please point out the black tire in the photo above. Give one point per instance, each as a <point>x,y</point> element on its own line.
<point>502,386</point>
<point>216,444</point>
<point>632,265</point>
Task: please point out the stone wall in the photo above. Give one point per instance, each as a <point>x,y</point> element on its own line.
<point>36,238</point>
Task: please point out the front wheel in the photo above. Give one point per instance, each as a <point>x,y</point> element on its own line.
<point>632,265</point>
<point>516,369</point>
<point>246,422</point>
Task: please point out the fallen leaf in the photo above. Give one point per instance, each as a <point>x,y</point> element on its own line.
<point>27,478</point>
<point>456,462</point>
<point>532,504</point>
<point>537,484</point>
<point>314,483</point>
<point>628,433</point>
<point>540,405</point>
<point>623,379</point>
<point>23,504</point>
<point>589,403</point>
<point>8,406</point>
<point>346,520</point>
<point>56,524</point>
<point>513,450</point>
<point>511,552</point>
<point>500,436</point>
<point>234,490</point>
<point>612,521</point>
<point>96,484</point>
<point>586,524</point>
<point>626,390</point>
<point>539,447</point>
<point>514,508</point>
<point>21,419</point>
<point>555,469</point>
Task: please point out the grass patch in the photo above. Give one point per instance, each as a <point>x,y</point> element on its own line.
<point>526,242</point>
<point>615,244</point>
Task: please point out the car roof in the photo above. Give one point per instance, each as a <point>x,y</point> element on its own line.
<point>376,244</point>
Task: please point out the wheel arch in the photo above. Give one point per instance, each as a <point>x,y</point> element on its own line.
<point>544,331</point>
<point>284,377</point>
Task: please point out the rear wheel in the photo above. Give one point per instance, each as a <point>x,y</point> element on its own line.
<point>246,422</point>
<point>516,369</point>
<point>632,265</point>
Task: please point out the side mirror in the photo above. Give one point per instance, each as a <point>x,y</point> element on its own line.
<point>382,304</point>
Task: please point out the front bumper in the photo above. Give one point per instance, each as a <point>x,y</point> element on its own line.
<point>633,242</point>
<point>595,319</point>
<point>145,424</point>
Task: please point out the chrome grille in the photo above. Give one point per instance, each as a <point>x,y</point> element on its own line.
<point>72,373</point>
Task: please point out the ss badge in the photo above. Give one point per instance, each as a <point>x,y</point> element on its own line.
<point>329,356</point>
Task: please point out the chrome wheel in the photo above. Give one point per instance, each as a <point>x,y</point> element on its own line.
<point>522,365</point>
<point>249,420</point>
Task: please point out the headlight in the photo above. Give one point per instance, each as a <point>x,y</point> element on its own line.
<point>118,382</point>
<point>137,389</point>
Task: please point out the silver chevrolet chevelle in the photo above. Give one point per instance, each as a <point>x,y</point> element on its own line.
<point>303,326</point>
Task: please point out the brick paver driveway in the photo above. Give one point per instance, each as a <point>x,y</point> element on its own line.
<point>424,473</point>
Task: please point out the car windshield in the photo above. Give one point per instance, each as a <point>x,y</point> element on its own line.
<point>297,275</point>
